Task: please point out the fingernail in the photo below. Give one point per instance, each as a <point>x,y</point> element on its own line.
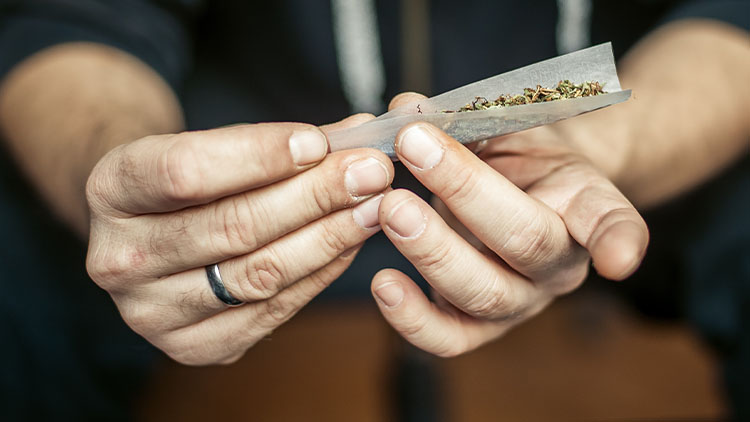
<point>366,176</point>
<point>420,148</point>
<point>391,294</point>
<point>366,213</point>
<point>407,219</point>
<point>307,146</point>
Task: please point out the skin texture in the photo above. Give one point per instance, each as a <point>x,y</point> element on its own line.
<point>160,208</point>
<point>515,227</point>
<point>97,132</point>
<point>280,230</point>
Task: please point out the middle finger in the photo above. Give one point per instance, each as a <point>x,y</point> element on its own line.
<point>523,231</point>
<point>242,223</point>
<point>474,282</point>
<point>186,298</point>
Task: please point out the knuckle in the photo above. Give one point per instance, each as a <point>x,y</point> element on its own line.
<point>529,244</point>
<point>126,164</point>
<point>240,223</point>
<point>490,303</point>
<point>461,186</point>
<point>98,188</point>
<point>180,171</point>
<point>169,231</point>
<point>262,278</point>
<point>325,191</point>
<point>435,259</point>
<point>323,198</point>
<point>196,300</point>
<point>101,183</point>
<point>268,169</point>
<point>146,320</point>
<point>335,240</point>
<point>110,267</point>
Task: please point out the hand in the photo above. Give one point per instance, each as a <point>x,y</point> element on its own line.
<point>532,214</point>
<point>282,219</point>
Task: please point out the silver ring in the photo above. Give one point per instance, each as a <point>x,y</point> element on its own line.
<point>217,286</point>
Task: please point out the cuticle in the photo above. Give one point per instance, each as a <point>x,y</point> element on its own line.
<point>422,227</point>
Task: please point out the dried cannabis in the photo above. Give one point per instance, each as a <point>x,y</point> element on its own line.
<point>564,89</point>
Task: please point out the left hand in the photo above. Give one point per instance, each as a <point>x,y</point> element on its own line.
<point>530,212</point>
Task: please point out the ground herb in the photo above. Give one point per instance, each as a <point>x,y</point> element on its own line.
<point>564,89</point>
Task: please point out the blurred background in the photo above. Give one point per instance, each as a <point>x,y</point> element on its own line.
<point>588,357</point>
<point>636,350</point>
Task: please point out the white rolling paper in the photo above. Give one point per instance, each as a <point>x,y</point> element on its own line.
<point>590,64</point>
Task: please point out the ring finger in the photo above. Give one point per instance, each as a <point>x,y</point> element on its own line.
<point>263,273</point>
<point>242,223</point>
<point>226,336</point>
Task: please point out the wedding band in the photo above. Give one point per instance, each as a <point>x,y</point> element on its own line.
<point>217,286</point>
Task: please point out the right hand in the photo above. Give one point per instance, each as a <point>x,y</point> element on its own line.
<point>283,222</point>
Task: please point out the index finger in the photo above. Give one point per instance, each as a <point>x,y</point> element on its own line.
<point>169,172</point>
<point>522,230</point>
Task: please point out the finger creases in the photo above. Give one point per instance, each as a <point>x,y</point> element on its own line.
<point>523,231</point>
<point>242,223</point>
<point>477,284</point>
<point>268,271</point>
<point>228,334</point>
<point>168,172</point>
<point>440,331</point>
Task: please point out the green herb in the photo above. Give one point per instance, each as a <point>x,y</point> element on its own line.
<point>564,89</point>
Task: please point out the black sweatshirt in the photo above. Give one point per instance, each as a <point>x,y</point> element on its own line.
<point>68,355</point>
